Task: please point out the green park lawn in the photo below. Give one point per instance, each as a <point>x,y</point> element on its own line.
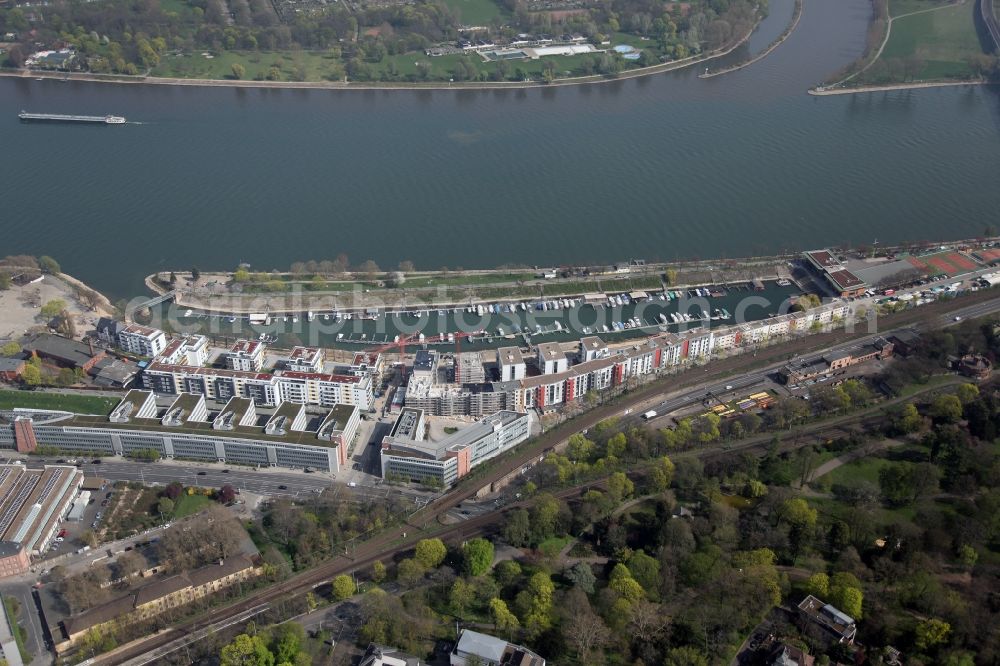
<point>900,7</point>
<point>475,12</point>
<point>294,65</point>
<point>69,402</point>
<point>187,505</point>
<point>943,40</point>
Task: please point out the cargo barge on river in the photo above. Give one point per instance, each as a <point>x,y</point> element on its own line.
<point>63,118</point>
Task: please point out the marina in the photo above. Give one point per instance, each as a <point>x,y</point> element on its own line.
<point>489,325</point>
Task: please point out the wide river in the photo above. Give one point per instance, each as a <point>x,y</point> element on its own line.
<point>664,167</point>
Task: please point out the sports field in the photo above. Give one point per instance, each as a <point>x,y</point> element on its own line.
<point>474,12</point>
<point>952,263</point>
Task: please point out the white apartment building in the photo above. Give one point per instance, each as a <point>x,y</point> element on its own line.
<point>305,359</point>
<point>511,364</point>
<point>142,340</point>
<point>551,358</point>
<point>246,356</point>
<point>192,350</point>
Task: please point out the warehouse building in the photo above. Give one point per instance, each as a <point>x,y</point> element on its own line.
<point>32,504</point>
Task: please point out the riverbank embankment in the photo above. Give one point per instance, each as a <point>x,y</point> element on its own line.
<point>766,52</point>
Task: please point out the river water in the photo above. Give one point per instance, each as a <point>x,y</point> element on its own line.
<point>662,167</point>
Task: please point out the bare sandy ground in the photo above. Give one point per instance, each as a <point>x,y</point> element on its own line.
<point>20,307</point>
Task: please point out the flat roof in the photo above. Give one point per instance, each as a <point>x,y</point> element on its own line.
<point>488,647</point>
<point>551,351</point>
<point>509,356</point>
<point>336,420</point>
<point>186,403</point>
<point>157,366</point>
<point>424,360</point>
<point>304,353</point>
<point>365,358</point>
<point>238,405</point>
<point>593,342</point>
<point>245,346</point>
<point>195,429</point>
<point>823,258</point>
<point>845,279</point>
<point>405,426</point>
<point>317,376</point>
<point>436,450</point>
<point>144,331</point>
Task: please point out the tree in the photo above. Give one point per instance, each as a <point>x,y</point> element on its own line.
<point>645,570</point>
<point>10,349</point>
<point>430,552</point>
<point>966,393</point>
<point>378,572</point>
<point>406,266</point>
<point>684,656</point>
<point>49,265</point>
<point>287,640</point>
<point>504,621</point>
<point>239,71</point>
<point>227,494</point>
<point>582,628</point>
<point>908,420</point>
<point>818,585</point>
<point>410,571</point>
<point>582,576</point>
<point>845,593</point>
<point>622,582</point>
<point>246,650</point>
<point>539,615</point>
<point>129,564</point>
<point>31,375</point>
<point>343,587</point>
<point>754,489</point>
<point>946,409</point>
<point>506,572</point>
<point>461,597</point>
<point>661,474</point>
<point>195,274</point>
<point>931,632</point>
<point>368,269</point>
<point>53,308</point>
<point>165,506</point>
<point>968,555</point>
<point>517,528</point>
<point>798,513</point>
<point>478,556</point>
<point>619,487</point>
